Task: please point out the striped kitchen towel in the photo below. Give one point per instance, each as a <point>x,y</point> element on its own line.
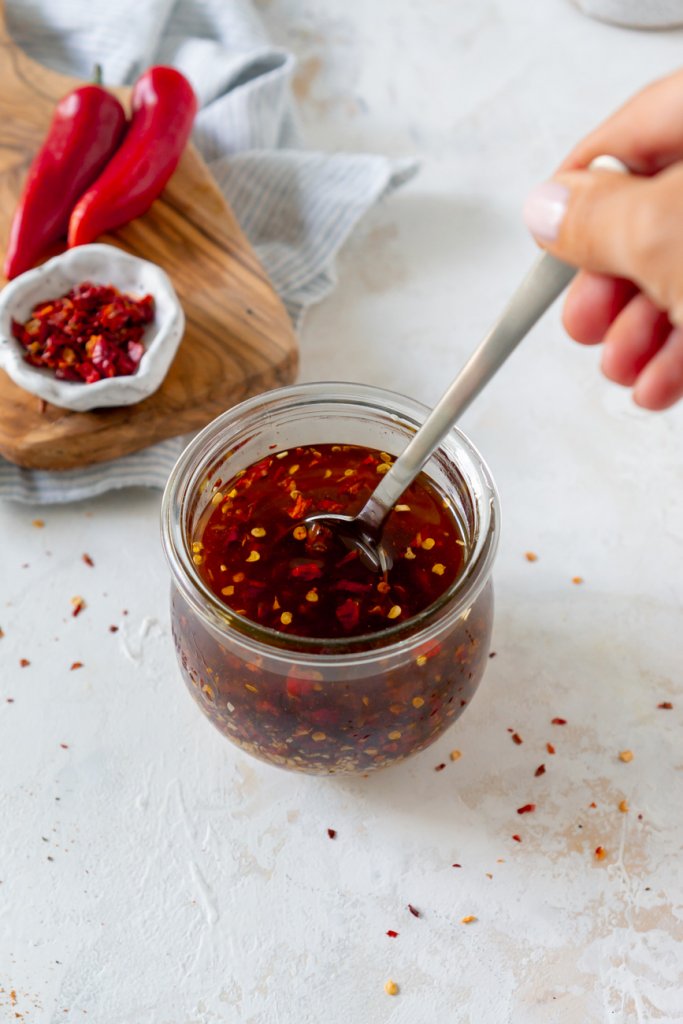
<point>297,207</point>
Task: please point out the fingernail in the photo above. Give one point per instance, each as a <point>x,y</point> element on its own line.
<point>544,210</point>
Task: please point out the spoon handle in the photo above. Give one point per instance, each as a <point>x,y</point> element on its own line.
<point>546,280</point>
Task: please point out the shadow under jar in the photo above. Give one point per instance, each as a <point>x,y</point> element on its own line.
<point>327,706</point>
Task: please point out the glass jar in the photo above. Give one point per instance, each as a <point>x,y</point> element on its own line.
<point>342,705</point>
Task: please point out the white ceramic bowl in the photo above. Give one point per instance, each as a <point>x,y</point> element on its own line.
<point>101,264</point>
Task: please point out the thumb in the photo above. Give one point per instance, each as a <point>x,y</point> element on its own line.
<point>586,218</point>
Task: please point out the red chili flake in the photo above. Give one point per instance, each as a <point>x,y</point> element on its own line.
<point>592,804</point>
<point>456,865</point>
<point>307,571</point>
<point>88,560</point>
<point>301,507</point>
<point>24,662</point>
<point>517,838</point>
<point>78,605</point>
<point>348,613</point>
<point>666,705</point>
<point>413,910</point>
<point>600,852</point>
<point>550,748</point>
<point>91,333</point>
<point>64,746</point>
<point>526,809</point>
<point>113,629</point>
<point>558,721</point>
<point>516,738</point>
<point>10,700</point>
<point>539,771</point>
<point>492,654</point>
<point>440,767</point>
<point>75,665</point>
<point>392,934</point>
<point>332,832</point>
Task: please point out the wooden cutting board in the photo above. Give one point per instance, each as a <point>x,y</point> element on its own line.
<point>238,339</point>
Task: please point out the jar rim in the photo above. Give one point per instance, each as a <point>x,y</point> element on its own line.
<point>419,629</point>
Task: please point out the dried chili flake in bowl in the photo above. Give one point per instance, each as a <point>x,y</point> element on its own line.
<point>96,316</point>
<point>92,332</point>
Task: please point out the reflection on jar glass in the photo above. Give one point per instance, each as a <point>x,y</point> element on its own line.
<point>339,705</point>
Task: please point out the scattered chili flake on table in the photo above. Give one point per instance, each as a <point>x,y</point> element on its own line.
<point>78,604</point>
<point>113,629</point>
<point>530,556</point>
<point>24,662</point>
<point>75,665</point>
<point>88,560</point>
<point>593,804</point>
<point>440,767</point>
<point>558,721</point>
<point>516,738</point>
<point>550,748</point>
<point>623,806</point>
<point>539,771</point>
<point>91,333</point>
<point>332,832</point>
<point>392,934</point>
<point>600,852</point>
<point>526,809</point>
<point>492,654</point>
<point>517,838</point>
<point>38,523</point>
<point>456,865</point>
<point>626,756</point>
<point>391,988</point>
<point>468,919</point>
<point>666,705</point>
<point>64,746</point>
<point>413,910</point>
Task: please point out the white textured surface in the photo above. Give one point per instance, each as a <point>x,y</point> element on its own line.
<point>191,885</point>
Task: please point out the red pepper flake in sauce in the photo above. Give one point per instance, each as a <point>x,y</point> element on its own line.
<point>75,665</point>
<point>413,910</point>
<point>558,721</point>
<point>526,809</point>
<point>322,589</point>
<point>24,662</point>
<point>332,832</point>
<point>91,333</point>
<point>539,771</point>
<point>88,560</point>
<point>666,705</point>
<point>392,934</point>
<point>78,604</point>
<point>516,738</point>
<point>550,748</point>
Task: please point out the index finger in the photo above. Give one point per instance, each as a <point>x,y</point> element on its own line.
<point>646,133</point>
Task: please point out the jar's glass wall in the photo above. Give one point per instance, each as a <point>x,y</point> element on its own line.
<point>336,705</point>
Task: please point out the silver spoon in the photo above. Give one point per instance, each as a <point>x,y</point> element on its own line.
<point>546,280</point>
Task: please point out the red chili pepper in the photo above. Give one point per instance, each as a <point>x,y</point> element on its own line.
<point>86,129</point>
<point>163,109</point>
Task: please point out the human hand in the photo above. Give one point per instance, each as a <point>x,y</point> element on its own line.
<point>626,235</point>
